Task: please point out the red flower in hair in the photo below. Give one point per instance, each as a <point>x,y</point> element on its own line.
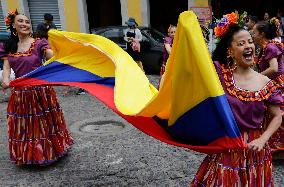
<point>226,21</point>
<point>10,17</point>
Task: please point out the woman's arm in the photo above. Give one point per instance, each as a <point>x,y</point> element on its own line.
<point>275,123</point>
<point>125,36</point>
<point>168,48</point>
<point>6,74</point>
<point>273,67</point>
<point>138,35</point>
<point>48,54</point>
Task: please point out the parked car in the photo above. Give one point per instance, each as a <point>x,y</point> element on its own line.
<point>151,45</point>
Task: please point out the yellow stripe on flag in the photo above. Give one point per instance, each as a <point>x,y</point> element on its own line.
<point>104,58</point>
<point>190,76</point>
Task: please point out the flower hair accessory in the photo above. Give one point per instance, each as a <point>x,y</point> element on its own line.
<point>275,22</point>
<point>228,20</point>
<point>10,17</point>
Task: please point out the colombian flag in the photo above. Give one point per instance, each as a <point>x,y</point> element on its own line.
<point>190,110</point>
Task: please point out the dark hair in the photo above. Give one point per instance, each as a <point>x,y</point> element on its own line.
<point>253,18</point>
<point>269,29</point>
<point>11,45</point>
<point>48,17</point>
<point>220,53</point>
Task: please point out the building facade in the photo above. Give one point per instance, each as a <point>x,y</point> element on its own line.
<point>83,15</point>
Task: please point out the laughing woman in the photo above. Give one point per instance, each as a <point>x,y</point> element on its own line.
<point>36,127</point>
<point>250,95</point>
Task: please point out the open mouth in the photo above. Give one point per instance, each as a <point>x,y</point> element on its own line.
<point>248,55</point>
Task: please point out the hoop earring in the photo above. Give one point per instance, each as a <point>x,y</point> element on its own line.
<point>15,33</point>
<point>230,61</point>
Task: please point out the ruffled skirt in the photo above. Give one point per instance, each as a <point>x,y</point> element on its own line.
<point>237,167</point>
<point>36,127</point>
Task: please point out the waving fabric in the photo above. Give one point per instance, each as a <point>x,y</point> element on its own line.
<point>190,110</point>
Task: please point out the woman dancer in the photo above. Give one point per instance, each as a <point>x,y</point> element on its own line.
<point>250,96</point>
<point>36,127</point>
<point>168,42</point>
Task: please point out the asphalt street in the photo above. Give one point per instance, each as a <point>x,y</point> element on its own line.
<point>108,151</point>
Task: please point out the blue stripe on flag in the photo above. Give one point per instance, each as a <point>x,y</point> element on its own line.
<point>60,72</point>
<point>210,120</point>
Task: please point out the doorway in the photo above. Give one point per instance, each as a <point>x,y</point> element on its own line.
<point>164,13</point>
<point>103,13</point>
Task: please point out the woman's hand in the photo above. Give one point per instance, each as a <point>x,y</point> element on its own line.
<point>48,54</point>
<point>275,121</point>
<point>257,144</point>
<point>130,39</point>
<point>5,84</point>
<point>6,74</point>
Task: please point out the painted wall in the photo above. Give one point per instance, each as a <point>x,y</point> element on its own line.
<point>8,5</point>
<point>13,4</point>
<point>134,10</point>
<point>72,15</point>
<point>197,3</point>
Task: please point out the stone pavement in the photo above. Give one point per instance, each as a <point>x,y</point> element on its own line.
<point>107,152</point>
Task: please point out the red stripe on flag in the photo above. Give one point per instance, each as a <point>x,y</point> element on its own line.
<point>146,124</point>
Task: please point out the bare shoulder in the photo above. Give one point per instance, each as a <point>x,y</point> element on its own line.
<point>262,79</point>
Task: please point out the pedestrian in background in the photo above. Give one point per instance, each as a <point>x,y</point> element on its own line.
<point>250,22</point>
<point>168,42</point>
<point>43,28</point>
<point>36,127</point>
<point>133,37</point>
<point>266,16</point>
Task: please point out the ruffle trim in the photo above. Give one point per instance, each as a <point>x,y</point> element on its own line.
<point>280,80</point>
<point>25,53</point>
<point>41,151</point>
<point>44,112</point>
<point>212,173</point>
<point>40,163</point>
<point>246,95</point>
<point>229,177</point>
<point>264,47</point>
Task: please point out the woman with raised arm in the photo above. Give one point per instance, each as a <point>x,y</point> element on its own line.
<point>167,47</point>
<point>36,127</point>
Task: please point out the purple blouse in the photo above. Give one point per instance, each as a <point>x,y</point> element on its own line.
<point>248,107</point>
<point>272,51</point>
<point>25,62</point>
<point>167,40</point>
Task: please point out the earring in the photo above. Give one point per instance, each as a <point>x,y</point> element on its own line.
<point>230,61</point>
<point>15,33</point>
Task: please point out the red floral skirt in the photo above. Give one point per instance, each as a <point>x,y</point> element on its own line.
<point>36,126</point>
<point>237,167</point>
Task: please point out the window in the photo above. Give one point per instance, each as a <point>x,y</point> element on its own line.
<point>156,35</point>
<point>116,35</point>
